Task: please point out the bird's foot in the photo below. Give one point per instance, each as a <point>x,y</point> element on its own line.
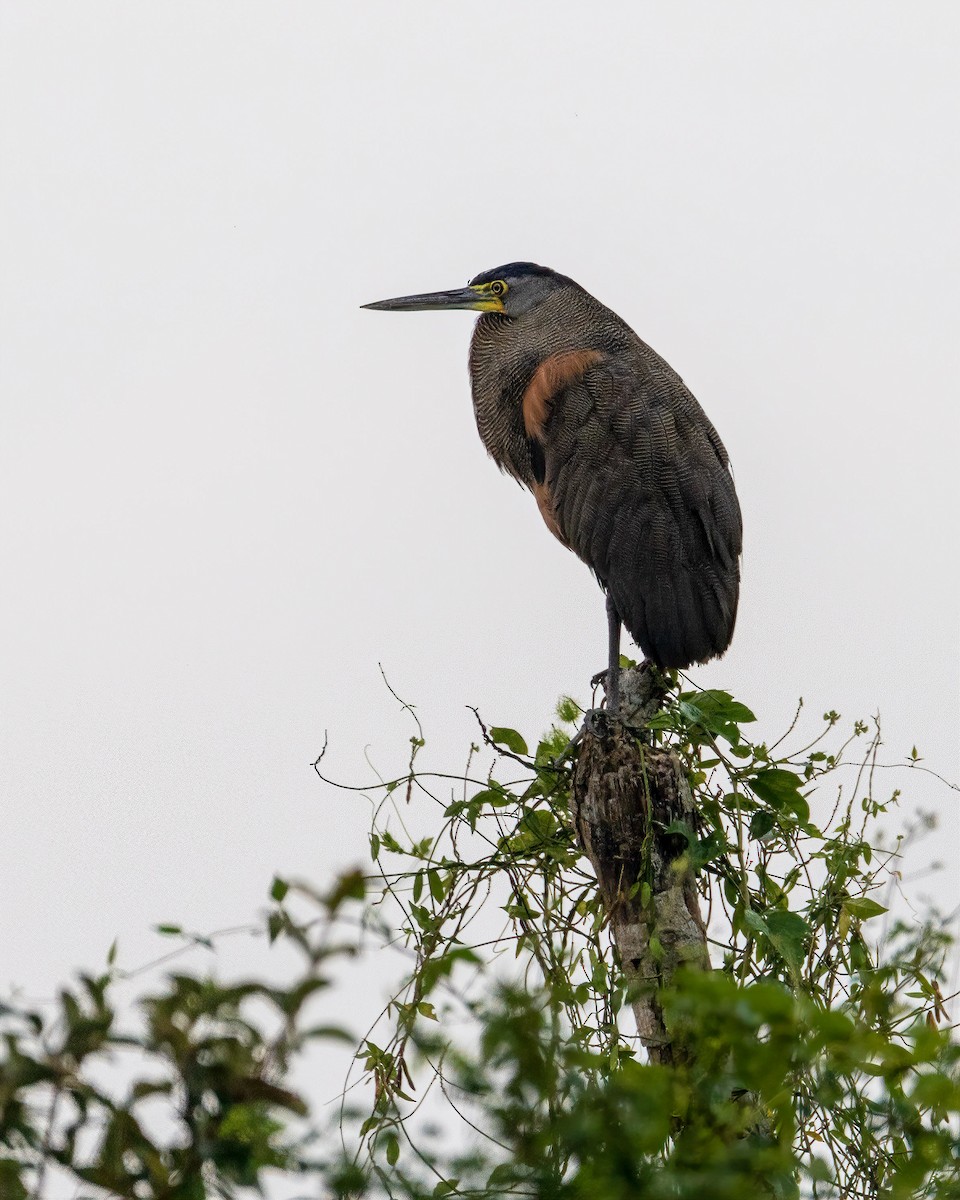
<point>598,722</point>
<point>612,694</point>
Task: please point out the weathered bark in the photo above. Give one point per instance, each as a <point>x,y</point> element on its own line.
<point>625,795</point>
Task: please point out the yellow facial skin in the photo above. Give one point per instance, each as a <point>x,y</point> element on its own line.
<point>490,296</point>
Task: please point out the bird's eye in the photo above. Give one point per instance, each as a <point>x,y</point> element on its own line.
<point>498,287</point>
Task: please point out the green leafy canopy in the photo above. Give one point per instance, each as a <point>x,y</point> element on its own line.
<point>821,1060</point>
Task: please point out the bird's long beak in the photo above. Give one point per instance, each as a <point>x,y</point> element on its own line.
<point>479,298</point>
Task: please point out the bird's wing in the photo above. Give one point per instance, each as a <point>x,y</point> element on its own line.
<point>638,484</point>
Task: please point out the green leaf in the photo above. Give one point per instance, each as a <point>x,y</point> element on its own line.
<point>495,797</point>
<point>147,1087</point>
<point>437,890</point>
<point>330,1033</point>
<point>762,821</point>
<point>789,933</point>
<point>423,917</point>
<point>350,885</point>
<point>503,736</point>
<point>706,849</point>
<point>278,889</point>
<point>442,966</point>
<point>684,830</point>
<point>935,1091</point>
<point>169,930</point>
<point>786,931</point>
<point>781,790</point>
<point>715,712</point>
<point>393,1148</point>
<point>863,908</point>
<point>11,1185</point>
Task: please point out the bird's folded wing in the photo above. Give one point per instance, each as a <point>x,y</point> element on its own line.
<point>637,483</point>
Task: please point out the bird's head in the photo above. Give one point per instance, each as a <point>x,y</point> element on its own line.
<point>511,290</point>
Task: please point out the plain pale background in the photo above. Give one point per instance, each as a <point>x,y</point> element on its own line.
<point>227,494</point>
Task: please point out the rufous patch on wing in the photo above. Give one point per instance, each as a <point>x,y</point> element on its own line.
<point>541,494</point>
<point>552,376</point>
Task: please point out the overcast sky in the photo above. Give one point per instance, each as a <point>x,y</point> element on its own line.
<point>227,494</point>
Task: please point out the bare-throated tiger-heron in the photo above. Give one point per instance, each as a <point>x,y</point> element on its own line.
<point>625,466</point>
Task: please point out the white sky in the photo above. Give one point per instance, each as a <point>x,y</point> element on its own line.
<point>226,493</point>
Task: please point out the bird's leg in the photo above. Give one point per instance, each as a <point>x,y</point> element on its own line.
<point>595,720</point>
<point>613,659</point>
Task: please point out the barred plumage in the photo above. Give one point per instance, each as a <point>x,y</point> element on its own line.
<point>637,476</point>
<point>625,466</point>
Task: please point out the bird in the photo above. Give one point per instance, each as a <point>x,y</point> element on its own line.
<point>625,466</point>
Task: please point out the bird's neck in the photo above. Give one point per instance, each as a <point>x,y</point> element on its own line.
<point>502,363</point>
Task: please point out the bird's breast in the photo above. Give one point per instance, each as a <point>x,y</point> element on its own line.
<point>517,369</point>
<point>500,371</point>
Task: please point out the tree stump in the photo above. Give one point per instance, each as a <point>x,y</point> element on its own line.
<point>626,794</point>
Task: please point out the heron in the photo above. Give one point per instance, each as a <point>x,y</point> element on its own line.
<point>625,466</point>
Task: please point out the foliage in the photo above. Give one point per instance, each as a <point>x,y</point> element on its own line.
<point>820,1063</point>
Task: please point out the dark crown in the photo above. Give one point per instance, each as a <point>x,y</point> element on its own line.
<point>516,270</point>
